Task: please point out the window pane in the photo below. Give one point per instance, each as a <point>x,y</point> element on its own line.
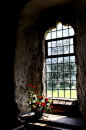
<point>66,67</point>
<point>49,44</point>
<point>66,49</point>
<point>49,51</point>
<point>66,42</point>
<point>48,36</point>
<point>73,84</point>
<point>66,59</point>
<point>49,93</point>
<point>48,68</point>
<point>61,85</point>
<point>55,84</point>
<point>71,49</point>
<point>55,93</point>
<point>60,76</point>
<point>67,93</point>
<point>54,51</point>
<point>72,67</point>
<point>73,94</point>
<point>54,44</point>
<point>48,76</point>
<point>64,27</point>
<point>49,84</point>
<point>54,67</point>
<point>60,67</point>
<point>67,84</point>
<point>61,93</point>
<point>73,75</point>
<point>72,58</point>
<point>54,76</point>
<point>59,34</point>
<point>59,43</point>
<point>71,31</point>
<point>54,60</point>
<point>71,41</point>
<point>60,50</point>
<point>53,35</point>
<point>59,26</point>
<point>48,61</point>
<point>60,60</point>
<point>65,32</point>
<point>66,75</point>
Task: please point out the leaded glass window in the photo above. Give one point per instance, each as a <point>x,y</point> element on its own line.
<point>60,62</point>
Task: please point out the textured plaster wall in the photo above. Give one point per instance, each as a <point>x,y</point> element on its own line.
<point>81,55</point>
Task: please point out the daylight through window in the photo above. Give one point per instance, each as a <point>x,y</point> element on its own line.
<point>60,62</point>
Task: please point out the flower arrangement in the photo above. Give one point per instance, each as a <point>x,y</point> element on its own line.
<point>39,104</point>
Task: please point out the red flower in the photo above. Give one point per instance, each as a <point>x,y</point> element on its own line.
<point>29,92</point>
<point>43,111</point>
<point>46,99</point>
<point>33,107</point>
<point>41,97</point>
<point>43,104</point>
<point>30,85</point>
<point>35,91</point>
<point>36,109</point>
<point>34,86</point>
<point>51,106</point>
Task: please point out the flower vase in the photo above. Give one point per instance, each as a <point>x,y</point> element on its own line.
<point>38,114</point>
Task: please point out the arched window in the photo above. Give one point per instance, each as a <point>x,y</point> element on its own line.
<point>60,62</point>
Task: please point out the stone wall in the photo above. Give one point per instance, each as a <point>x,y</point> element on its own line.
<point>81,55</point>
<point>29,62</point>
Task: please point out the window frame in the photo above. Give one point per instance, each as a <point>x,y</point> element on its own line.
<point>56,56</point>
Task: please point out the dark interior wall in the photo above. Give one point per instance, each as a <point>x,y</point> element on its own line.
<point>28,63</point>
<point>81,55</point>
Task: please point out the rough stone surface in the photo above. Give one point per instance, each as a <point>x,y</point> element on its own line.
<point>29,52</point>
<point>81,55</point>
